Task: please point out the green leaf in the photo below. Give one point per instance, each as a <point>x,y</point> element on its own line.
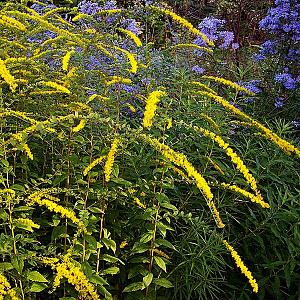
<point>162,242</point>
<point>36,276</point>
<point>111,271</point>
<point>122,181</point>
<point>163,282</point>
<point>147,279</point>
<point>23,208</point>
<point>18,187</point>
<point>137,286</point>
<point>38,287</point>
<point>6,266</point>
<point>105,292</point>
<point>18,263</point>
<point>57,232</point>
<point>111,259</point>
<point>161,263</point>
<point>96,279</point>
<point>169,206</point>
<point>146,237</point>
<point>110,244</point>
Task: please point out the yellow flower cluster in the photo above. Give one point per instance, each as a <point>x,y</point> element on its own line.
<point>8,78</point>
<point>138,202</point>
<point>13,43</point>
<point>36,197</point>
<point>204,86</point>
<point>180,160</point>
<point>254,198</point>
<point>93,164</point>
<point>169,123</point>
<point>242,266</point>
<point>228,83</point>
<point>131,58</point>
<point>11,192</point>
<point>150,108</point>
<point>66,60</point>
<point>28,222</point>
<point>75,277</point>
<point>184,23</point>
<point>28,151</point>
<point>233,156</point>
<point>118,79</point>
<point>13,23</point>
<point>5,289</point>
<point>281,143</point>
<point>79,126</point>
<point>205,49</point>
<point>110,159</point>
<point>19,114</point>
<point>56,86</point>
<point>133,36</point>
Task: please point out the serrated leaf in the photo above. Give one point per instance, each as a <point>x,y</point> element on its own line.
<point>137,286</point>
<point>148,279</point>
<point>161,263</point>
<point>163,282</point>
<point>36,276</point>
<point>38,287</point>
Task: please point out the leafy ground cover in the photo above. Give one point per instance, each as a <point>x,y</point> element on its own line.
<point>138,159</point>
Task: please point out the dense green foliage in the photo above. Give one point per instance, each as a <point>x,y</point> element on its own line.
<point>109,153</point>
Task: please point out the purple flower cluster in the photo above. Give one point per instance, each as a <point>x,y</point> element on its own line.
<point>252,85</point>
<point>212,28</point>
<point>283,24</point>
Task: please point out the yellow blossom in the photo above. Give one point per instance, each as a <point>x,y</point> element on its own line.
<point>56,86</point>
<point>254,198</point>
<point>169,123</point>
<point>138,202</point>
<point>110,159</point>
<point>180,160</point>
<point>5,289</point>
<point>134,37</point>
<point>131,58</point>
<point>242,266</point>
<point>93,164</point>
<point>74,275</point>
<point>184,23</point>
<point>79,126</point>
<point>13,23</point>
<point>66,60</point>
<point>228,83</point>
<point>123,244</point>
<point>118,79</point>
<point>8,78</point>
<point>281,143</point>
<point>28,151</point>
<point>194,46</point>
<point>204,86</point>
<point>150,108</point>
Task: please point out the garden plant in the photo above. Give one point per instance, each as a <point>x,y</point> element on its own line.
<point>128,169</point>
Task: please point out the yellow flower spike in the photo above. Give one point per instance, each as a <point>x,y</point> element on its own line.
<point>228,83</point>
<point>184,23</point>
<point>28,152</point>
<point>253,198</point>
<point>194,46</point>
<point>6,290</point>
<point>123,244</point>
<point>66,60</point>
<point>181,160</point>
<point>139,203</point>
<point>232,155</point>
<point>74,275</point>
<point>56,86</point>
<point>93,164</point>
<point>204,86</point>
<point>6,75</point>
<point>150,108</point>
<point>79,126</point>
<point>281,143</point>
<point>13,23</point>
<point>131,35</point>
<point>110,159</point>
<point>131,58</point>
<point>242,266</point>
<point>118,79</point>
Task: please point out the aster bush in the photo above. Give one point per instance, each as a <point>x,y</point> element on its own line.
<point>112,148</point>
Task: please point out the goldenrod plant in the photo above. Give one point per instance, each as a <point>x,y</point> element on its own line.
<point>102,155</point>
